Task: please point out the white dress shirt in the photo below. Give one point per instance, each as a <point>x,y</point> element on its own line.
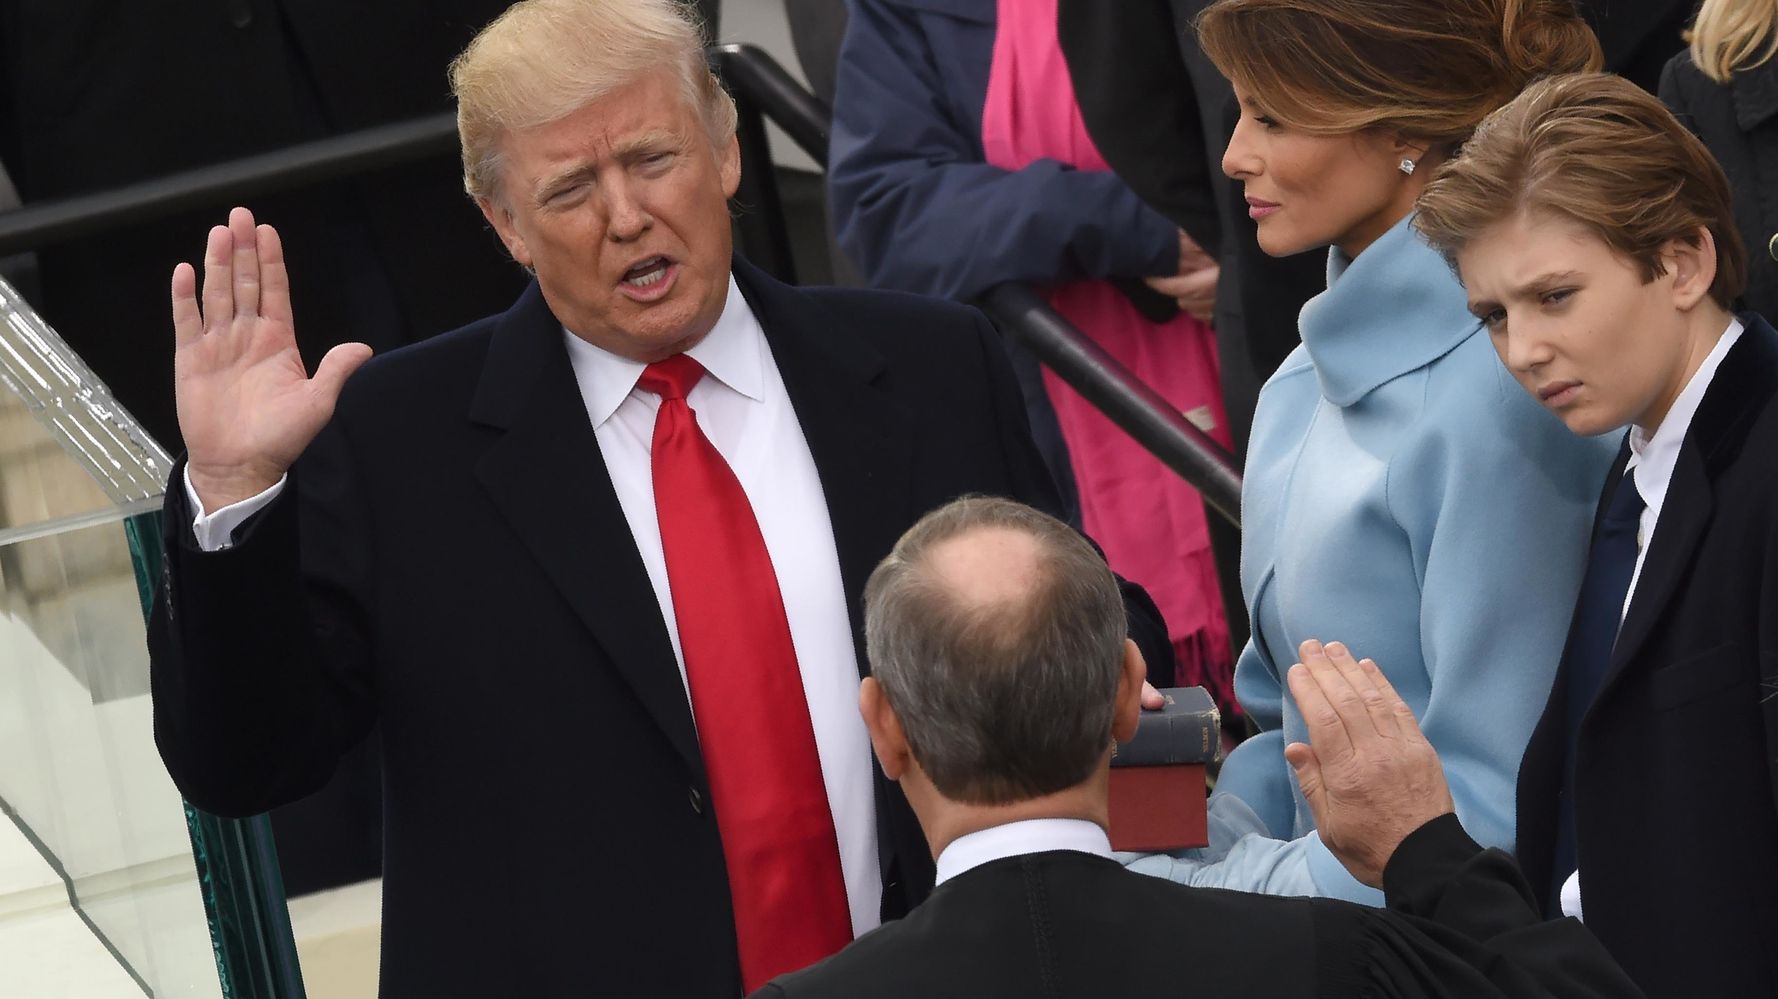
<point>1652,456</point>
<point>1652,459</point>
<point>1017,838</point>
<point>744,410</point>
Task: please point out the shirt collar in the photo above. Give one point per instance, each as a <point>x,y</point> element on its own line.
<point>1652,456</point>
<point>733,353</point>
<point>1017,838</point>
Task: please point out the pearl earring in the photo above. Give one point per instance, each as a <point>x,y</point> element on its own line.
<point>1407,167</point>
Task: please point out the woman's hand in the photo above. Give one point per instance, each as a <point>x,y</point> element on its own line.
<point>1194,286</point>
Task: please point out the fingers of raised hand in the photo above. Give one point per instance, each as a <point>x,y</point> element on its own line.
<point>219,279</point>
<point>274,280</point>
<point>1377,704</point>
<point>1302,759</point>
<point>1327,729</point>
<point>188,321</point>
<point>1406,724</point>
<point>1337,686</point>
<point>245,243</point>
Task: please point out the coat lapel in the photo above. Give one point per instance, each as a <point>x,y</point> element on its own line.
<point>1684,515</point>
<point>1744,382</point>
<point>859,434</point>
<point>547,477</point>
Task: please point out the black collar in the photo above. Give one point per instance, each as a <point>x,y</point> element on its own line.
<point>1745,381</point>
<point>1756,94</point>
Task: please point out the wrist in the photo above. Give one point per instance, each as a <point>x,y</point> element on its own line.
<point>219,486</point>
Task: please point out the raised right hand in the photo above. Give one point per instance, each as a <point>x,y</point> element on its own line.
<point>1367,772</point>
<point>247,407</point>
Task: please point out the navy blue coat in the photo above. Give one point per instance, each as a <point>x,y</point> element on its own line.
<point>915,204</point>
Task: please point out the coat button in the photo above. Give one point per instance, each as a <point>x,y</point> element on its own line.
<point>697,800</point>
<point>1772,246</point>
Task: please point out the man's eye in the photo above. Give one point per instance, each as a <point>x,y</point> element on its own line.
<point>1558,296</point>
<point>1494,318</point>
<point>565,195</point>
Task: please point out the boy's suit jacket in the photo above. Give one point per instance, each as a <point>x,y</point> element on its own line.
<point>1676,773</point>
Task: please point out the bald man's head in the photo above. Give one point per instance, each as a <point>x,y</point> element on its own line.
<point>997,634</point>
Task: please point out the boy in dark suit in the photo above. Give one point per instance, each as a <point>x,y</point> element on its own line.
<point>1001,676</point>
<point>1597,239</point>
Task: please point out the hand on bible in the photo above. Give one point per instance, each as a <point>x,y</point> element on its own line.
<point>1369,775</point>
<point>246,405</point>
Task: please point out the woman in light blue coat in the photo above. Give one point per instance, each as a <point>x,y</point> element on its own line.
<point>1402,494</point>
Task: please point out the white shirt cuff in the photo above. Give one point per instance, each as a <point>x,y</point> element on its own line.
<point>216,531</point>
<point>1571,896</point>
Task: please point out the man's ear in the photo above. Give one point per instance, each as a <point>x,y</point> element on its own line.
<point>728,165</point>
<point>1128,709</point>
<point>886,737</point>
<point>1692,267</point>
<point>501,219</point>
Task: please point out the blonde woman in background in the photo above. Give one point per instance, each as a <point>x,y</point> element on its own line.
<point>1726,89</point>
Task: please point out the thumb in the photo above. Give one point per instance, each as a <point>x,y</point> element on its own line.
<point>1301,757</point>
<point>337,366</point>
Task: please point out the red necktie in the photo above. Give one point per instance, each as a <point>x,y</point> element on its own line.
<point>747,696</point>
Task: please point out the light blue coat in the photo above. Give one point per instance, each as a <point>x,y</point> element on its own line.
<point>1405,496</point>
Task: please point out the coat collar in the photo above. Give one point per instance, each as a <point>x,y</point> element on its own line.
<point>1755,94</point>
<point>1395,308</point>
<point>546,477</point>
<point>1743,387</point>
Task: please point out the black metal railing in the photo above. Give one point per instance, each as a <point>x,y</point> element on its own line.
<point>763,89</point>
<point>47,223</point>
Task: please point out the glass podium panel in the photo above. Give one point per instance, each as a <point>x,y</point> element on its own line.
<point>101,892</point>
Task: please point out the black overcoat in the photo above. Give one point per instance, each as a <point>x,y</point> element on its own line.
<point>453,564</point>
<point>1738,121</point>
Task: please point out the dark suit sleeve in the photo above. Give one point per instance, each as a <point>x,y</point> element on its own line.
<point>1033,486</point>
<point>1768,654</point>
<point>258,655</point>
<point>1464,918</point>
<point>916,207</point>
<point>1137,98</point>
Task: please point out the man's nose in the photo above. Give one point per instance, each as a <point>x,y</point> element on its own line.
<point>628,217</point>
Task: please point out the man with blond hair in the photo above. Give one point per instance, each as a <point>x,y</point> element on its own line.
<point>592,565</point>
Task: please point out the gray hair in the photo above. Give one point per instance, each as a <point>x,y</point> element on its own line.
<point>1006,700</point>
<point>545,59</point>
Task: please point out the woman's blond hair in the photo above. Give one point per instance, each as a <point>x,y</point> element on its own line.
<point>1601,153</point>
<point>1429,70</point>
<point>544,59</point>
<point>1730,35</point>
